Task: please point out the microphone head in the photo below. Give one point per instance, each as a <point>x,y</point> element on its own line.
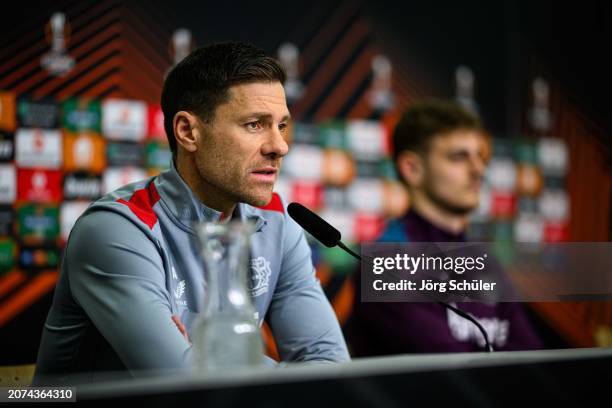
<point>314,225</point>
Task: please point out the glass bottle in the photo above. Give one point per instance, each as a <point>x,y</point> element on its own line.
<point>226,333</point>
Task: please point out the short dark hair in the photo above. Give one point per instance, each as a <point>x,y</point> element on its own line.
<point>201,81</point>
<point>425,120</point>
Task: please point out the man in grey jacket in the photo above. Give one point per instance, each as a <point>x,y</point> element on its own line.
<point>131,280</point>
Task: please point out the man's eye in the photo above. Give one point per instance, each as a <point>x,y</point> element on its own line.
<point>282,127</point>
<point>458,156</point>
<point>253,125</point>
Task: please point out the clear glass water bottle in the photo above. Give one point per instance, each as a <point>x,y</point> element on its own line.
<point>226,333</point>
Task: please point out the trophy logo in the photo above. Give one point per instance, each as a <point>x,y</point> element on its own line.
<point>381,95</point>
<point>540,116</point>
<point>181,45</point>
<point>289,58</point>
<point>464,92</point>
<point>57,32</point>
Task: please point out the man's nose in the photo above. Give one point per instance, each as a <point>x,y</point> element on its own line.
<point>276,144</point>
<point>478,166</point>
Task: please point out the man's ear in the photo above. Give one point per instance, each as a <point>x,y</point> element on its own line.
<point>410,167</point>
<point>186,131</point>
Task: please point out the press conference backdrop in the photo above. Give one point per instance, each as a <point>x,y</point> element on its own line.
<point>79,117</point>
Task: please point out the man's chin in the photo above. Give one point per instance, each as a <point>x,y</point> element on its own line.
<point>458,208</point>
<point>466,208</point>
<point>260,200</point>
<point>451,205</point>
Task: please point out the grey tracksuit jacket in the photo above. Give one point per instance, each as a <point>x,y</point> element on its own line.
<point>132,261</point>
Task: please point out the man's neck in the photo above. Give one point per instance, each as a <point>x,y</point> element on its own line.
<point>441,218</point>
<point>207,194</point>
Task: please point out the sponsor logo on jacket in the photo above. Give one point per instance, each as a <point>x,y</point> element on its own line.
<point>260,276</point>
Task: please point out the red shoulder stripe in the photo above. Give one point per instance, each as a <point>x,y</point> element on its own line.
<point>141,204</point>
<point>274,205</point>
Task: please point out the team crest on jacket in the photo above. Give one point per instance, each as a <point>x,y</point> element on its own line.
<point>260,276</point>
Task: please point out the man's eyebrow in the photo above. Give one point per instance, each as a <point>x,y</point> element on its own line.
<point>459,150</point>
<point>265,115</point>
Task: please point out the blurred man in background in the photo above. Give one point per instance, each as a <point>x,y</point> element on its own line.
<point>440,153</point>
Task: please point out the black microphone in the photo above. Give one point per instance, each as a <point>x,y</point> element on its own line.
<point>331,237</point>
<point>317,227</point>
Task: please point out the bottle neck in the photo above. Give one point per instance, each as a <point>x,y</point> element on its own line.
<point>225,253</point>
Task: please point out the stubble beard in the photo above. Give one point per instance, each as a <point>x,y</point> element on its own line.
<point>236,191</point>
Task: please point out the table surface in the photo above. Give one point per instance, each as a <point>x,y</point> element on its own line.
<point>300,372</point>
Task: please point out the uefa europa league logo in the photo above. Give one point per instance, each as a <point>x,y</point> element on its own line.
<point>381,95</point>
<point>464,89</point>
<point>540,116</point>
<point>57,34</point>
<point>289,58</point>
<point>181,45</point>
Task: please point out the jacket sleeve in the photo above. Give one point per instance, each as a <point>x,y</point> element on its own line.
<point>304,324</point>
<point>116,276</point>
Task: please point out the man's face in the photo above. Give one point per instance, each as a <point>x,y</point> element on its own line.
<point>453,169</point>
<point>240,151</point>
